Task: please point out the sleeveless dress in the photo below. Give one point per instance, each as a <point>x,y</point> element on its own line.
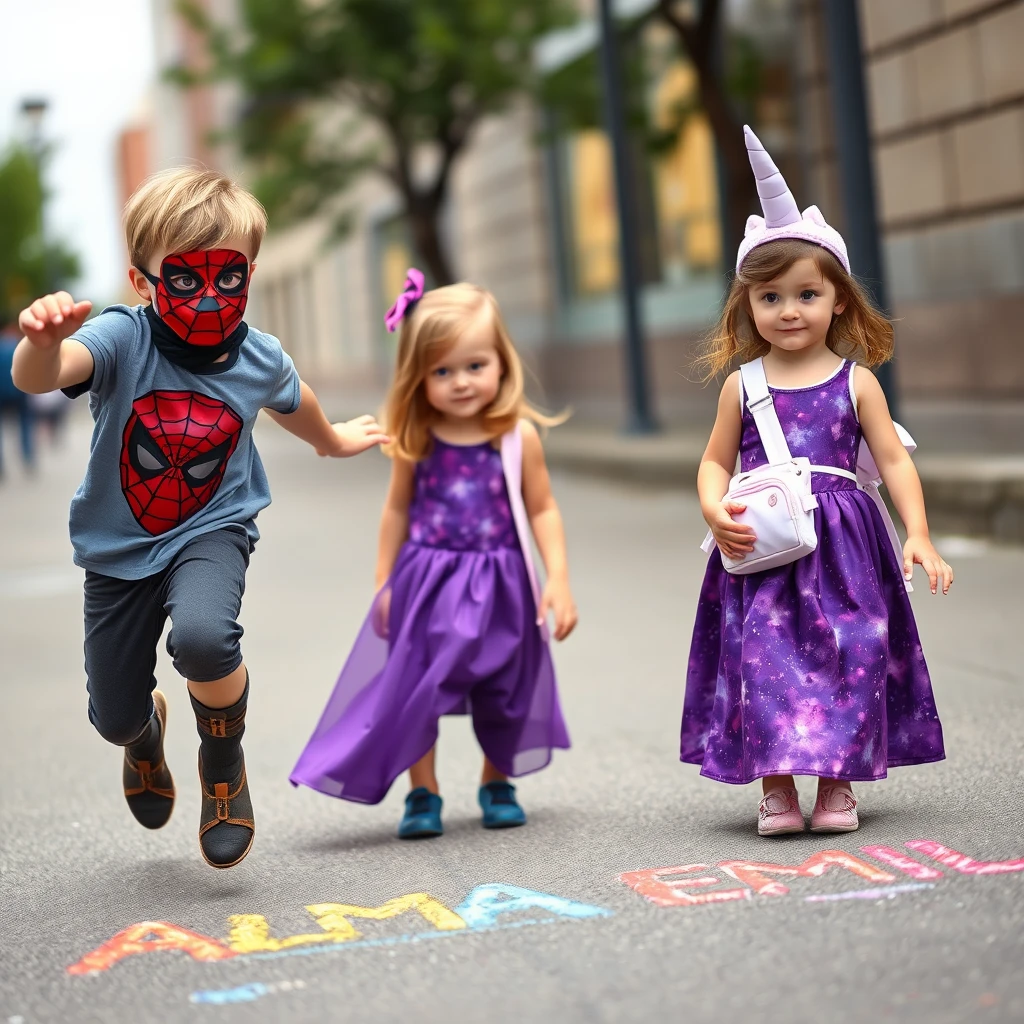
<point>815,667</point>
<point>463,636</point>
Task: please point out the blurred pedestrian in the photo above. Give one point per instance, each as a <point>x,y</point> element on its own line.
<point>51,410</point>
<point>14,403</point>
<point>806,660</point>
<point>458,624</point>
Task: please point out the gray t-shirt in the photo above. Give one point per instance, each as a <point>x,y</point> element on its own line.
<point>172,455</point>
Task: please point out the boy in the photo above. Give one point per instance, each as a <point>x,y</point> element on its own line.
<point>164,521</point>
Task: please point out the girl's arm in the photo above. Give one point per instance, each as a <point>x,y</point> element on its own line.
<point>716,470</point>
<point>549,532</point>
<point>394,521</point>
<point>339,440</point>
<point>900,476</point>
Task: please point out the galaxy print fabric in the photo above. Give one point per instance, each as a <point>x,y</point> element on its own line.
<point>462,638</point>
<point>815,667</point>
<point>460,501</point>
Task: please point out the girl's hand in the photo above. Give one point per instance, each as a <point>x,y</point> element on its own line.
<point>382,612</point>
<point>922,551</point>
<point>51,319</point>
<point>354,437</point>
<point>734,540</point>
<point>557,598</point>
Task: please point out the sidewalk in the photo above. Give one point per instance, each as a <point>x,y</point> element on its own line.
<point>970,457</point>
<point>968,494</point>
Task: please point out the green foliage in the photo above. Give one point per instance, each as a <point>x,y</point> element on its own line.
<point>313,75</point>
<point>29,265</point>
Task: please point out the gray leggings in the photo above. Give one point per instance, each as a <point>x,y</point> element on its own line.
<point>201,591</point>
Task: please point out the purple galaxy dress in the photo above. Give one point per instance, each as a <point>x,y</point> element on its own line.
<point>815,667</point>
<point>463,639</point>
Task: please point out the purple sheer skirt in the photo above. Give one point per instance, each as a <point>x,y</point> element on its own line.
<point>463,640</point>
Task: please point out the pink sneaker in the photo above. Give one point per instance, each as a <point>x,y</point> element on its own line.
<point>779,813</point>
<point>835,810</point>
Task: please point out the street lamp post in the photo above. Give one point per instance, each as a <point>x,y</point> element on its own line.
<point>641,419</point>
<point>34,109</point>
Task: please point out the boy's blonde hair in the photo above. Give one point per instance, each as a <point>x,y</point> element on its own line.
<point>860,332</point>
<point>187,208</point>
<point>428,334</point>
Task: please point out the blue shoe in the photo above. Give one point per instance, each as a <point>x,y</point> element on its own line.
<point>422,818</point>
<point>501,809</point>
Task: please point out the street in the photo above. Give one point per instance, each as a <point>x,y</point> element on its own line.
<point>917,917</point>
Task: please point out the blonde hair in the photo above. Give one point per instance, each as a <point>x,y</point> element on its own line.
<point>860,332</point>
<point>186,208</point>
<point>428,334</point>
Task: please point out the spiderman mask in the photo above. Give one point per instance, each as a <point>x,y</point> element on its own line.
<point>174,450</point>
<point>201,295</point>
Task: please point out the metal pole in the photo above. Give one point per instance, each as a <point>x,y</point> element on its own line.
<point>34,110</point>
<point>853,145</point>
<point>640,420</point>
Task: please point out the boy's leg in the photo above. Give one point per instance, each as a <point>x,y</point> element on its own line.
<point>123,622</point>
<point>203,596</point>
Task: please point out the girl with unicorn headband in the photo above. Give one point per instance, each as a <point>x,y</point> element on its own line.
<point>458,623</point>
<point>811,666</point>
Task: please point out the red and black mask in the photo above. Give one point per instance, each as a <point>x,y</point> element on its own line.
<point>174,450</point>
<point>201,295</point>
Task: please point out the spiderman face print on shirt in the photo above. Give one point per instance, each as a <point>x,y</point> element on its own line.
<point>201,295</point>
<point>174,450</point>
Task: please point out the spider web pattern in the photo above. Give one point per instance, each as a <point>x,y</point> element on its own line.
<point>182,314</point>
<point>183,427</point>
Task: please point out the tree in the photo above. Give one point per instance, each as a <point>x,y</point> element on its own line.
<point>30,265</point>
<point>315,76</point>
<point>700,40</point>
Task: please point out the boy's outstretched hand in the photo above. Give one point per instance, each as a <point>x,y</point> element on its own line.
<point>51,319</point>
<point>354,437</point>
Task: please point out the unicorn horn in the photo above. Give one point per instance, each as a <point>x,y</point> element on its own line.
<point>777,201</point>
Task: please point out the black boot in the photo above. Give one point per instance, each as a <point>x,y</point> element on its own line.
<point>226,825</point>
<point>148,786</point>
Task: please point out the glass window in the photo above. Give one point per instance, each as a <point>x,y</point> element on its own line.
<point>676,174</point>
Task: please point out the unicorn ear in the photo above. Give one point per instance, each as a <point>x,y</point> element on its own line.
<point>813,214</point>
<point>754,223</point>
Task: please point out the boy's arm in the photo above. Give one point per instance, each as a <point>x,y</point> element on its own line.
<point>48,358</point>
<point>338,440</point>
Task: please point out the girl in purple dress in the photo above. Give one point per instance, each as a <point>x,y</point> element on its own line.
<point>458,624</point>
<point>814,667</point>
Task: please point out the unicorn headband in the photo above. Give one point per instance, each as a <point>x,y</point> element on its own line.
<point>782,218</point>
<point>412,292</point>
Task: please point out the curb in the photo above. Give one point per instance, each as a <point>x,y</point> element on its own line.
<point>979,496</point>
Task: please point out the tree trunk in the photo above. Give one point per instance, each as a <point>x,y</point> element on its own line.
<point>699,41</point>
<point>423,217</point>
<point>732,150</point>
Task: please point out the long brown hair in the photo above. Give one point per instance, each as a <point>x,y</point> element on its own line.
<point>860,332</point>
<point>428,334</point>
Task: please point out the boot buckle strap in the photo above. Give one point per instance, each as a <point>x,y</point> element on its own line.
<point>220,793</point>
<point>218,727</point>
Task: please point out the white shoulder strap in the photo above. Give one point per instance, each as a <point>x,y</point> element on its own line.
<point>512,465</point>
<point>762,408</point>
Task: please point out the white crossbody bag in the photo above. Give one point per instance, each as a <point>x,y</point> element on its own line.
<point>779,503</point>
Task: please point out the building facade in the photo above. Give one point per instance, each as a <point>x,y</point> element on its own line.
<point>533,219</point>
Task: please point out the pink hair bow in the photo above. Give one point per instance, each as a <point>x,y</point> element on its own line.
<point>412,292</point>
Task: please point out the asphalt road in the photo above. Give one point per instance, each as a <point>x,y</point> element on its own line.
<point>546,928</point>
